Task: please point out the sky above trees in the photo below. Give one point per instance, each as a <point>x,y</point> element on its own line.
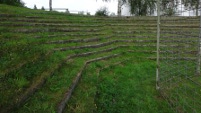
<point>74,5</point>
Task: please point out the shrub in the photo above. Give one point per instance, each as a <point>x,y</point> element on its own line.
<point>170,12</point>
<point>35,7</point>
<point>88,13</point>
<point>43,8</point>
<point>12,2</point>
<point>103,11</point>
<point>67,11</point>
<point>112,14</point>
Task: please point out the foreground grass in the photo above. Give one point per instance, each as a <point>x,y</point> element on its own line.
<point>42,53</point>
<point>129,88</point>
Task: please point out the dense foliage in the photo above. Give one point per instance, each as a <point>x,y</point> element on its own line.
<point>191,4</point>
<point>142,7</point>
<point>168,7</point>
<point>103,11</point>
<point>12,2</point>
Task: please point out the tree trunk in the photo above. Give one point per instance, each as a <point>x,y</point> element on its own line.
<point>119,8</point>
<point>197,7</point>
<point>196,11</point>
<point>50,4</point>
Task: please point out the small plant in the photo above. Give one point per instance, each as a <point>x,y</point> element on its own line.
<point>43,8</point>
<point>35,7</point>
<point>103,11</point>
<point>67,11</point>
<point>21,82</point>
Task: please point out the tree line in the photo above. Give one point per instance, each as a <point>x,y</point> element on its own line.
<point>148,7</point>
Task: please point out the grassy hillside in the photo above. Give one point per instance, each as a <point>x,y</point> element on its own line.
<point>53,62</point>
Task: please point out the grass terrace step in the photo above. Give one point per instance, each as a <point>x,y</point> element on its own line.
<point>89,51</point>
<point>181,26</point>
<point>135,25</point>
<point>101,39</point>
<point>69,34</point>
<point>39,21</point>
<point>78,19</point>
<point>102,44</point>
<point>134,37</point>
<point>186,33</point>
<point>64,21</point>
<point>174,58</point>
<point>76,40</point>
<point>180,21</point>
<point>133,32</point>
<point>18,16</point>
<point>32,30</point>
<point>46,25</point>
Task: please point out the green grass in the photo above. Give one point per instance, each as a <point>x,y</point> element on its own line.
<point>32,69</point>
<point>129,88</point>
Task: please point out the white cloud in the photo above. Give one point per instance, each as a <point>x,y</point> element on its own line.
<point>74,5</point>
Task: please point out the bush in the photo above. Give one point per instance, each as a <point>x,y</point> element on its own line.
<point>112,14</point>
<point>103,11</point>
<point>88,13</point>
<point>170,12</point>
<point>12,2</point>
<point>67,11</point>
<point>35,7</point>
<point>43,8</point>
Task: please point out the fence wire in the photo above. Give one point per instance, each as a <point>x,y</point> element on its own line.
<point>178,72</point>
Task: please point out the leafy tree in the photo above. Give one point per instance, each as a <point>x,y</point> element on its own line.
<point>142,7</point>
<point>13,2</point>
<point>138,7</point>
<point>191,4</point>
<point>147,7</point>
<point>103,11</point>
<point>169,7</point>
<point>120,4</point>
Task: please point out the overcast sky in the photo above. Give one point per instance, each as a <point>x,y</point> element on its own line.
<point>74,5</point>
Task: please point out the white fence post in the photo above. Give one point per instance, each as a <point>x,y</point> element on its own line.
<point>158,44</point>
<point>199,46</point>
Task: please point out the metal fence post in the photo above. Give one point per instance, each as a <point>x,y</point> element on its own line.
<point>158,44</point>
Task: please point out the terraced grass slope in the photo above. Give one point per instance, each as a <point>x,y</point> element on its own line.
<point>54,62</point>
